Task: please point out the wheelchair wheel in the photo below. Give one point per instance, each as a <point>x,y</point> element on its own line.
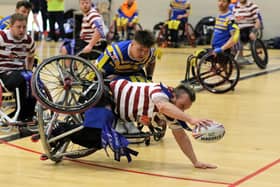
<point>189,31</point>
<point>72,91</point>
<point>191,68</point>
<point>160,35</point>
<point>55,141</point>
<point>218,74</point>
<point>131,30</point>
<point>259,53</point>
<point>112,33</point>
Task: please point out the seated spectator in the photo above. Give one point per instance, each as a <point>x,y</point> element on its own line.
<point>127,16</point>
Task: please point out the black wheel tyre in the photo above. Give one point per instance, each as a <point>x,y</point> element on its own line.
<point>259,53</point>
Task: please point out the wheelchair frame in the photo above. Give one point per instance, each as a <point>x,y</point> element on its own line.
<point>162,33</point>
<point>112,34</point>
<point>59,109</point>
<point>7,123</point>
<point>217,74</point>
<point>258,52</point>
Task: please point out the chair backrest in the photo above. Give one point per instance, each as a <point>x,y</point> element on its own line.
<point>7,99</point>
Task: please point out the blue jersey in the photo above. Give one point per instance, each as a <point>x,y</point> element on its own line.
<point>178,7</point>
<point>5,22</point>
<point>224,26</point>
<point>231,6</point>
<point>116,60</point>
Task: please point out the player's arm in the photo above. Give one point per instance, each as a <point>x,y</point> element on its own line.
<point>105,64</point>
<point>30,57</point>
<point>150,68</point>
<point>180,135</point>
<point>235,33</point>
<point>98,33</point>
<point>172,111</point>
<point>188,11</point>
<point>233,39</point>
<point>29,62</point>
<point>185,145</point>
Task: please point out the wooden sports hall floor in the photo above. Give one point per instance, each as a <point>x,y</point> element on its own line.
<point>248,155</point>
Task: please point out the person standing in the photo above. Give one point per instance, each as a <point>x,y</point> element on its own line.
<point>55,13</point>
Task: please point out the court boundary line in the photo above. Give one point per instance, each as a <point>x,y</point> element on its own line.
<point>119,169</point>
<point>261,170</point>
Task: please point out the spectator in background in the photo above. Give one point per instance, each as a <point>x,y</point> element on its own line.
<point>127,16</point>
<point>44,14</point>
<point>56,13</point>
<point>92,33</point>
<point>22,7</point>
<point>178,14</point>
<point>35,10</point>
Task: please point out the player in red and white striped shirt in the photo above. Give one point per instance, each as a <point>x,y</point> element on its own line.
<point>139,102</point>
<point>135,101</point>
<point>16,56</point>
<point>92,32</point>
<point>246,16</point>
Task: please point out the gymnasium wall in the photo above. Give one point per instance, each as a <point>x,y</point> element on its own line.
<point>154,11</point>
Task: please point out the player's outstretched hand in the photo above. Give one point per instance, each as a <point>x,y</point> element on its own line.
<point>202,165</point>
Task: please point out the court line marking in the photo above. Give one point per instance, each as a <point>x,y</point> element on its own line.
<point>119,169</point>
<point>261,170</point>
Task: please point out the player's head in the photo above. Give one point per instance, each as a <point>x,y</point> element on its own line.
<point>184,96</point>
<point>85,5</point>
<point>243,1</point>
<point>18,24</point>
<point>141,44</point>
<point>23,7</point>
<point>223,5</point>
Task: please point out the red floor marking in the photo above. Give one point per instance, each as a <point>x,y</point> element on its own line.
<point>120,169</point>
<point>150,174</point>
<point>255,173</point>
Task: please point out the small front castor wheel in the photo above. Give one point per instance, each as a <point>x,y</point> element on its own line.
<point>35,138</point>
<point>157,136</point>
<point>147,141</point>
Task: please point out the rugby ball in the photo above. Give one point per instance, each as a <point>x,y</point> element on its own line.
<point>212,133</point>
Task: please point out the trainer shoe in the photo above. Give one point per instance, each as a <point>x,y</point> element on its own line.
<point>131,128</point>
<point>243,60</point>
<point>120,127</point>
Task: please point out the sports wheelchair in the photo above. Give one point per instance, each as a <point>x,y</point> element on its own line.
<point>255,49</point>
<point>217,74</point>
<point>186,34</point>
<point>10,109</point>
<point>112,34</point>
<point>73,90</point>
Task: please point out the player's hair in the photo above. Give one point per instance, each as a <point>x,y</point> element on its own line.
<point>145,38</point>
<point>17,17</point>
<point>25,4</point>
<point>184,88</point>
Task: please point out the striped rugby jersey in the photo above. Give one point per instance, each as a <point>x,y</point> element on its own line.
<point>91,21</point>
<point>135,100</point>
<point>179,7</point>
<point>246,15</point>
<point>13,52</point>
